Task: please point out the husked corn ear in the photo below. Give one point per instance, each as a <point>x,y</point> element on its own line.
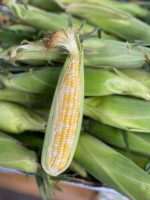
<point>66,113</point>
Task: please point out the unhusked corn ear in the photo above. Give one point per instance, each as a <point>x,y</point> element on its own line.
<point>112,168</point>
<point>66,113</point>
<point>127,113</point>
<point>111,20</point>
<point>14,155</point>
<point>129,7</point>
<point>97,53</point>
<point>15,119</point>
<point>137,142</point>
<point>41,20</point>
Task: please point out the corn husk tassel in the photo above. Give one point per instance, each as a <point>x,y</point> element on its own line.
<point>65,117</point>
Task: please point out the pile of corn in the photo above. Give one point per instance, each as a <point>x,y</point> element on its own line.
<point>91,97</point>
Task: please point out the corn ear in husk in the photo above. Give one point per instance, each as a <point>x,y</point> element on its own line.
<point>112,168</point>
<point>141,75</point>
<point>41,20</point>
<point>48,5</point>
<point>139,160</point>
<point>14,155</point>
<point>122,112</point>
<point>137,142</point>
<point>129,7</point>
<point>111,20</point>
<point>16,119</point>
<point>28,99</point>
<point>98,82</point>
<point>98,52</point>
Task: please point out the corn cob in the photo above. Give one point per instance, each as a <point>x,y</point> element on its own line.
<point>112,168</point>
<point>66,112</point>
<point>13,155</point>
<point>98,82</point>
<point>122,112</point>
<point>97,53</point>
<point>20,119</point>
<point>129,7</point>
<point>138,142</point>
<point>111,20</point>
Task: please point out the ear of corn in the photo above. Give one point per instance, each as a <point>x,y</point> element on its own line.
<point>113,169</point>
<point>122,112</point>
<point>65,117</point>
<point>48,5</point>
<point>97,53</point>
<point>20,119</point>
<point>31,100</point>
<point>137,159</point>
<point>10,38</point>
<point>140,75</point>
<point>98,82</point>
<point>138,142</point>
<point>22,28</point>
<point>129,7</point>
<point>15,156</point>
<point>112,20</point>
<point>42,20</point>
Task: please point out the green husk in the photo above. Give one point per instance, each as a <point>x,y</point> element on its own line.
<point>14,155</point>
<point>98,82</point>
<point>122,112</point>
<point>111,20</point>
<point>138,142</point>
<point>31,100</point>
<point>14,34</point>
<point>16,119</point>
<point>137,159</point>
<point>141,75</point>
<point>42,20</point>
<point>22,28</point>
<point>48,5</point>
<point>76,168</point>
<point>113,169</point>
<point>46,21</point>
<point>128,7</point>
<point>98,52</point>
